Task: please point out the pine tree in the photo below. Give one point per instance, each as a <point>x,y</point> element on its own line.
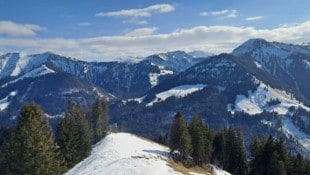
<point>73,135</point>
<point>200,143</point>
<point>179,137</point>
<point>31,149</point>
<point>99,119</point>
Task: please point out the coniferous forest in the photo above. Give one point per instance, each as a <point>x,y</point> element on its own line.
<point>32,148</point>
<point>195,144</point>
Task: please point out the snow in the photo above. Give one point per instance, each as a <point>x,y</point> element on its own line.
<point>177,60</point>
<point>219,171</point>
<point>290,130</point>
<point>199,54</point>
<point>257,64</point>
<point>34,73</point>
<point>54,116</point>
<point>154,76</point>
<point>5,102</point>
<point>307,64</point>
<point>123,153</point>
<point>257,101</point>
<point>178,91</point>
<point>139,100</point>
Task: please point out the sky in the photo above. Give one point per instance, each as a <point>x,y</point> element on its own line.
<point>105,30</point>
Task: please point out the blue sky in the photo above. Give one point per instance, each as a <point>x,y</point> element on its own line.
<point>108,29</point>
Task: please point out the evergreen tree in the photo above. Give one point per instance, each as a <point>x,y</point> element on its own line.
<point>99,119</point>
<point>31,150</point>
<point>201,145</point>
<point>179,137</point>
<point>73,135</point>
<point>218,149</point>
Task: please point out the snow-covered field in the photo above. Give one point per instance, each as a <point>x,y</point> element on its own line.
<point>257,101</point>
<point>178,91</point>
<point>123,153</point>
<point>127,154</point>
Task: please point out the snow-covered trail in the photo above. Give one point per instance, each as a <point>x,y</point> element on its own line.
<point>125,154</point>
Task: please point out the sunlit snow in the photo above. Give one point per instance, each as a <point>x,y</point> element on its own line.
<point>123,153</point>
<point>257,101</point>
<point>178,91</point>
<point>5,102</point>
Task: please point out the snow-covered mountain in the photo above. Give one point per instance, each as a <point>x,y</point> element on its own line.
<point>284,66</point>
<point>262,86</point>
<point>123,153</point>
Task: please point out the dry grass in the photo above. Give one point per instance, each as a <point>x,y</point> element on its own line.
<point>179,167</point>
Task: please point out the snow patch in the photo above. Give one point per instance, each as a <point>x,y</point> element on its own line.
<point>219,171</point>
<point>307,64</point>
<point>257,64</point>
<point>257,101</point>
<point>5,102</point>
<point>54,116</point>
<point>178,91</point>
<point>154,76</point>
<point>290,130</point>
<point>123,153</point>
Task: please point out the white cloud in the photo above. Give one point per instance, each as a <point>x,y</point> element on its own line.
<point>221,14</point>
<point>142,32</point>
<point>253,18</point>
<point>84,24</point>
<point>214,39</point>
<point>143,12</point>
<point>10,28</point>
<point>135,21</point>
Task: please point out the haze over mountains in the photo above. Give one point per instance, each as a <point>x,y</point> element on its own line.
<point>261,87</point>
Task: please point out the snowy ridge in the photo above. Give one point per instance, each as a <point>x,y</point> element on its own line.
<point>32,74</point>
<point>177,61</point>
<point>15,64</point>
<point>268,54</point>
<point>178,91</point>
<point>127,154</point>
<point>257,101</point>
<point>123,153</point>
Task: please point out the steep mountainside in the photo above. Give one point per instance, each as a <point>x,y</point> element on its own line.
<point>284,66</point>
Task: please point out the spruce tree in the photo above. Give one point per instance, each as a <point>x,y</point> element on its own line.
<point>99,119</point>
<point>31,150</point>
<point>179,137</point>
<point>201,145</point>
<point>73,135</point>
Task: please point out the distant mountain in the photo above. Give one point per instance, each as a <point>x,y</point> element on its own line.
<point>284,66</point>
<point>200,54</point>
<point>261,87</point>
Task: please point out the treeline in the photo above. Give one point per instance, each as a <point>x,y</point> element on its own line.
<point>196,144</point>
<point>33,149</point>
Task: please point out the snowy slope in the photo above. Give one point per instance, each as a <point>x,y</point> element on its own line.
<point>4,103</point>
<point>127,154</point>
<point>122,153</point>
<point>177,61</point>
<point>179,91</point>
<point>257,101</point>
<point>32,74</point>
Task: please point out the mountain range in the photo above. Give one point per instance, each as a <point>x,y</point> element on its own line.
<point>260,87</point>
